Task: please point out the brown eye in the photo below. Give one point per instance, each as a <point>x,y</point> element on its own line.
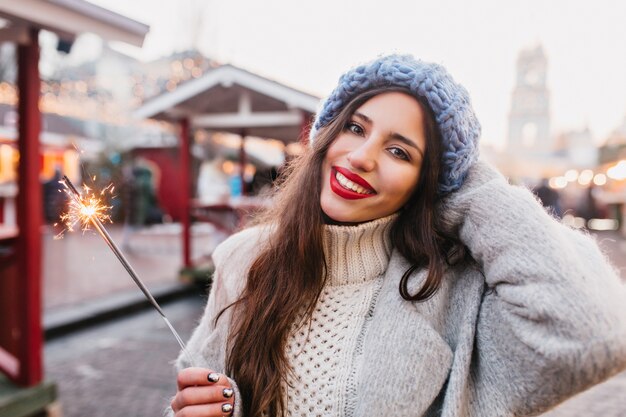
<point>355,128</point>
<point>399,153</point>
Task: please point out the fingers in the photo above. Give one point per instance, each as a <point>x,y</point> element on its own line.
<point>191,396</point>
<point>190,377</point>
<point>202,392</point>
<point>206,410</point>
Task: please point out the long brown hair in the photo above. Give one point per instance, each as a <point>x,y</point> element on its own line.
<point>289,274</point>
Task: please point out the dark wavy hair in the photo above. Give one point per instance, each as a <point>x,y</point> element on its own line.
<point>273,297</point>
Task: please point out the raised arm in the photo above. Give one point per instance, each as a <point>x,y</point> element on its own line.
<point>553,320</point>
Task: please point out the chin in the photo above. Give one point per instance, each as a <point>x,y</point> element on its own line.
<point>338,221</point>
<point>341,217</point>
<point>346,212</point>
<point>334,216</point>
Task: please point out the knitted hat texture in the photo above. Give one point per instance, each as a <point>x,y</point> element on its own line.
<point>449,101</point>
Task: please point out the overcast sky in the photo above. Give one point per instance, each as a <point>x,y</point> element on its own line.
<point>308,44</point>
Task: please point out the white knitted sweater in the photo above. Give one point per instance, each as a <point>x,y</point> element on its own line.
<point>324,353</point>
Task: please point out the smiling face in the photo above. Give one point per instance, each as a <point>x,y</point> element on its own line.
<point>373,165</point>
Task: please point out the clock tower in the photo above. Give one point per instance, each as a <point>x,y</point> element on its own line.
<point>529,119</point>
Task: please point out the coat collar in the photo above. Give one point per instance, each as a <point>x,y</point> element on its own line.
<point>405,360</point>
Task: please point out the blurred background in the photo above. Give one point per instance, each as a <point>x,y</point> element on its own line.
<point>188,109</point>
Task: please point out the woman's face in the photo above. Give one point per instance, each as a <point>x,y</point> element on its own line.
<point>373,166</point>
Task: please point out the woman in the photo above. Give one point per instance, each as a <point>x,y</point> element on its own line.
<point>398,275</point>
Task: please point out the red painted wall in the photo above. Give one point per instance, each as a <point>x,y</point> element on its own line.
<point>169,189</point>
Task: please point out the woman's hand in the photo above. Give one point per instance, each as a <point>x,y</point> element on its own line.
<point>475,192</point>
<point>202,392</point>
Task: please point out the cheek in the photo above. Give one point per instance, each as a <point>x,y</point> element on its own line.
<point>403,185</point>
<point>333,157</point>
<point>335,150</point>
<point>325,174</point>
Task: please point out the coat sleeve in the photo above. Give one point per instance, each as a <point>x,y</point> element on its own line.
<point>205,347</point>
<point>207,344</point>
<point>552,321</point>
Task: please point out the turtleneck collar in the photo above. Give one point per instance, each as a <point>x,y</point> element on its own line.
<point>356,254</point>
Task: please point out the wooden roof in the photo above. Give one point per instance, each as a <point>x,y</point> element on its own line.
<point>231,99</point>
<point>68,18</point>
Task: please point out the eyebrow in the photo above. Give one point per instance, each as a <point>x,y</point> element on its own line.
<point>394,135</point>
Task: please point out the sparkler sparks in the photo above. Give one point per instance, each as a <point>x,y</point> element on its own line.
<point>83,208</point>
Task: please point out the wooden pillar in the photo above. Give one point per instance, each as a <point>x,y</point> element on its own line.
<point>185,195</point>
<point>29,213</point>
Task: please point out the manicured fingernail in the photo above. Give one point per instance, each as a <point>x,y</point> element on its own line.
<point>213,377</point>
<point>227,392</point>
<point>227,408</point>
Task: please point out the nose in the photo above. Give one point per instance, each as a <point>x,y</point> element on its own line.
<point>363,157</point>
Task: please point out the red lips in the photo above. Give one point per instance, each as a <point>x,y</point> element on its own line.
<point>344,192</point>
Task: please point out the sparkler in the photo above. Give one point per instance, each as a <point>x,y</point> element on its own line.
<point>89,209</point>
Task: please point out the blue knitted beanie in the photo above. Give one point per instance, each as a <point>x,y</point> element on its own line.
<point>448,100</point>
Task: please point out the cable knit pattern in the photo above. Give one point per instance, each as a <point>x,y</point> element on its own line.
<point>450,102</point>
<point>323,355</point>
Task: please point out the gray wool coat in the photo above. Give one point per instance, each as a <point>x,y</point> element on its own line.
<point>539,317</point>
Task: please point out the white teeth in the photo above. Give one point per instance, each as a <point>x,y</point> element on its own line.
<point>346,183</point>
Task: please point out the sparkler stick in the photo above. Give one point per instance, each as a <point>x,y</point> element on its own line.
<point>90,214</point>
